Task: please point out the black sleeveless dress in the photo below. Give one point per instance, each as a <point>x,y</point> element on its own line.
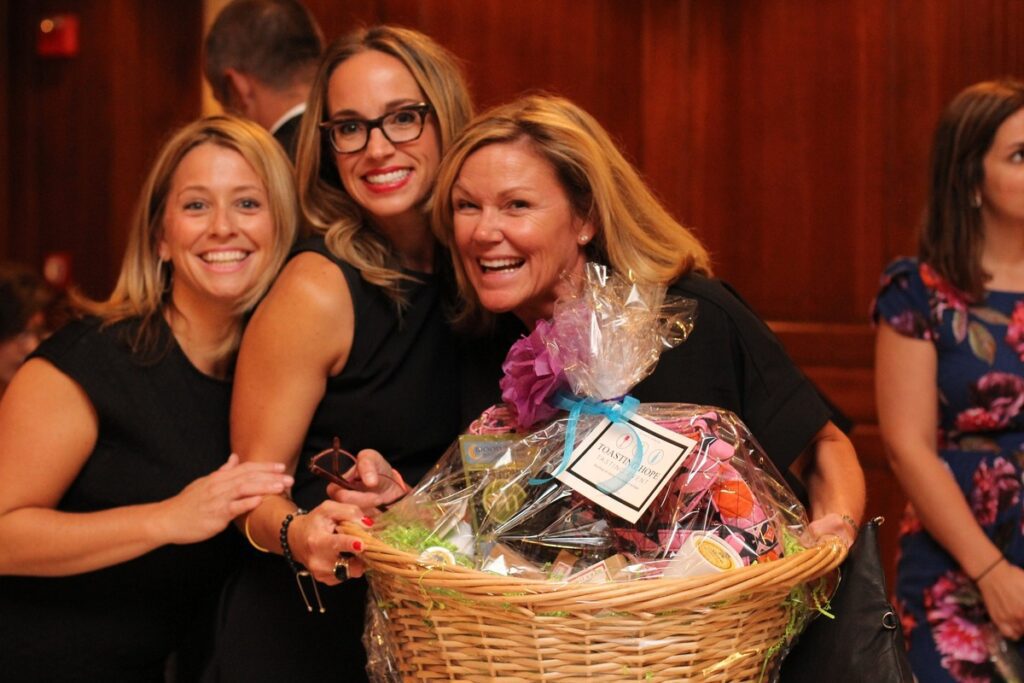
<point>162,424</point>
<point>399,394</point>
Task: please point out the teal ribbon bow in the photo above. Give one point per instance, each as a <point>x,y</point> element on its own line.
<point>617,413</point>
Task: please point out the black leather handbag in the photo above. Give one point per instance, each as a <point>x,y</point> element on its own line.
<point>864,642</point>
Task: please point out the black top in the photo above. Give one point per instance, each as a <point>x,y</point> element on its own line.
<point>162,424</point>
<point>398,393</point>
<point>731,360</point>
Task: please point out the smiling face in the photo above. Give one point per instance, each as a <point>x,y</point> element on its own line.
<point>218,230</point>
<point>1003,188</point>
<point>515,230</point>
<point>389,181</point>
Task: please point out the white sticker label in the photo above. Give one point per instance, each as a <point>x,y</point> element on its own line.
<point>605,468</point>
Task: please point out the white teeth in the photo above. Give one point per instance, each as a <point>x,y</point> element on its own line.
<point>224,256</point>
<point>501,263</point>
<point>386,178</point>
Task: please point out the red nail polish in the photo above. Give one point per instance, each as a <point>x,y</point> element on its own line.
<point>367,521</point>
<point>357,546</point>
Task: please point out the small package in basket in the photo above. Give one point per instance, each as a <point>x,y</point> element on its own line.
<point>562,507</point>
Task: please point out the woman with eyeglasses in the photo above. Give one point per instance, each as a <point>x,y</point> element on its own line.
<point>351,342</point>
<point>116,484</point>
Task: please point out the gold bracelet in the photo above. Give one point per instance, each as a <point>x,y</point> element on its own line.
<point>248,535</point>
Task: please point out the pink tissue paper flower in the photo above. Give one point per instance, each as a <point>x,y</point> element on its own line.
<point>533,374</point>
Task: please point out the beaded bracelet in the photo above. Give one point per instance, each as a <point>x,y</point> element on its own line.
<point>986,570</point>
<point>300,572</point>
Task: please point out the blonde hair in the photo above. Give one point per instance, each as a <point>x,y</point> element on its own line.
<point>328,208</point>
<point>144,284</point>
<point>635,235</point>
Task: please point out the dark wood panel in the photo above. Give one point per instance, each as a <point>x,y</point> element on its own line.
<point>780,139</point>
<point>827,344</point>
<point>936,49</point>
<point>511,48</point>
<point>62,142</point>
<point>885,497</point>
<point>589,52</point>
<point>336,18</point>
<point>139,65</point>
<point>685,131</point>
<point>86,127</point>
<point>5,150</point>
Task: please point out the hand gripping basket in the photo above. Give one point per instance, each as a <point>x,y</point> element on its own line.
<point>457,624</point>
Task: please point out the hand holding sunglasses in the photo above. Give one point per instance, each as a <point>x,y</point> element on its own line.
<point>367,481</point>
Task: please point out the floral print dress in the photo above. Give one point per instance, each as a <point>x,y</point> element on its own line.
<point>981,439</point>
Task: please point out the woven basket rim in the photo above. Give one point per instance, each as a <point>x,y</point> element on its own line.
<point>781,574</point>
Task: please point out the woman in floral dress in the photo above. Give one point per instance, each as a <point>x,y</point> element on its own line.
<point>950,392</point>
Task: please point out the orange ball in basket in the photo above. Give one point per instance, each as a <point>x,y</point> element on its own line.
<point>733,500</point>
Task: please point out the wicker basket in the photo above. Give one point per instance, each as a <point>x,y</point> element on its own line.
<point>458,624</point>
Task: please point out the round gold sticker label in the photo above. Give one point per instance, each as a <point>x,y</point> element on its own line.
<point>715,554</point>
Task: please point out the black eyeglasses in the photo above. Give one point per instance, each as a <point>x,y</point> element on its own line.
<point>404,124</point>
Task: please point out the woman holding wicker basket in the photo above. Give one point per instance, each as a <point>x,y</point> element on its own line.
<point>545,217</point>
<point>534,189</point>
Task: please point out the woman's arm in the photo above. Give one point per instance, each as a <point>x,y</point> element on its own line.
<point>300,335</point>
<point>48,429</point>
<point>835,484</point>
<point>907,398</point>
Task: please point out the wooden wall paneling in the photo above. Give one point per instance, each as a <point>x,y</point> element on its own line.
<point>799,143</point>
<point>85,128</point>
<point>684,66</point>
<point>868,176</point>
<point>921,81</point>
<point>589,52</point>
<point>885,497</point>
<point>767,140</point>
<point>936,49</point>
<point>5,151</point>
<point>155,89</point>
<point>780,168</point>
<point>337,18</point>
<point>60,143</point>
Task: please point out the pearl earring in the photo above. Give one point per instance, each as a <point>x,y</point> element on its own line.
<point>584,238</point>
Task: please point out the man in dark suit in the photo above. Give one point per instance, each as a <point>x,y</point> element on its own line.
<point>260,60</point>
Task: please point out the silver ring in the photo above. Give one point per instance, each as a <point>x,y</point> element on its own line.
<point>341,570</point>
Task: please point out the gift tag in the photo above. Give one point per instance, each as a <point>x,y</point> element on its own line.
<point>604,466</point>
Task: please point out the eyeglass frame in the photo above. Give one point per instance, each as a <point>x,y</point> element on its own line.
<point>335,477</point>
<point>422,108</point>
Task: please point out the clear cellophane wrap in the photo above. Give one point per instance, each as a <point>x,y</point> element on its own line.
<point>492,504</point>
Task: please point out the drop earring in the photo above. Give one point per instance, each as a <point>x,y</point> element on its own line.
<point>976,199</point>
